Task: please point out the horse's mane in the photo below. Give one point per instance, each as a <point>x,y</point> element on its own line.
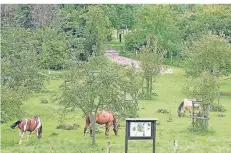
<point>180,106</point>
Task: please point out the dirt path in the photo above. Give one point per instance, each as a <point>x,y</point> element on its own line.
<point>113,55</point>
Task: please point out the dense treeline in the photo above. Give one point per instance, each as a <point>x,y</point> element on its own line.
<point>36,37</point>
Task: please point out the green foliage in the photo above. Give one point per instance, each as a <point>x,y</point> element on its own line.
<point>177,62</point>
<point>203,87</point>
<point>96,31</point>
<point>151,58</point>
<point>51,47</point>
<point>11,102</point>
<point>160,20</point>
<point>25,15</point>
<point>98,85</point>
<point>68,127</point>
<point>19,74</point>
<point>210,53</point>
<point>72,20</point>
<point>217,108</point>
<point>203,18</point>
<point>94,85</point>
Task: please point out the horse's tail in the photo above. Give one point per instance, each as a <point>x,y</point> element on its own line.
<point>40,131</point>
<point>87,123</point>
<point>15,124</point>
<point>180,107</point>
<point>87,120</point>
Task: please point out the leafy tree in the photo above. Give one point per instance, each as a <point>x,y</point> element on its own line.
<point>121,15</point>
<point>73,20</point>
<point>19,74</point>
<point>96,30</point>
<point>203,18</point>
<point>160,20</point>
<point>45,15</point>
<point>212,54</point>
<point>25,15</point>
<point>151,58</point>
<point>51,47</point>
<point>202,87</point>
<point>98,85</point>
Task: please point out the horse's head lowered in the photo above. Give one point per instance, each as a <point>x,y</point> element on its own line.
<point>40,127</point>
<point>180,108</point>
<point>30,125</point>
<point>116,126</point>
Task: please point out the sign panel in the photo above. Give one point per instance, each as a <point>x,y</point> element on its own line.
<point>140,129</point>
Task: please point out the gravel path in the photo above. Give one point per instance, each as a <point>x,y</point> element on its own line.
<point>113,55</point>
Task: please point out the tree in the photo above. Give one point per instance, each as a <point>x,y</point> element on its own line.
<point>200,19</point>
<point>96,30</point>
<point>97,85</point>
<point>151,58</point>
<point>159,20</point>
<point>211,53</point>
<point>51,47</point>
<point>20,75</point>
<point>204,88</point>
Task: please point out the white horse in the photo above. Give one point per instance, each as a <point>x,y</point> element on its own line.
<point>186,104</point>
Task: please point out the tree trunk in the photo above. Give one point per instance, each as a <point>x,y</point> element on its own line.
<point>147,85</point>
<point>218,93</point>
<point>92,119</point>
<point>108,146</point>
<point>150,86</point>
<point>142,85</point>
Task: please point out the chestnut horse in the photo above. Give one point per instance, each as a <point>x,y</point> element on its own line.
<point>103,117</point>
<point>186,104</point>
<point>30,125</point>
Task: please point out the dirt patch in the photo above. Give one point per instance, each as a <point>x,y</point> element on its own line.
<point>113,55</point>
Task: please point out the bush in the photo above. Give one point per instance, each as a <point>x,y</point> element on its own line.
<point>44,101</point>
<point>174,62</point>
<point>217,108</point>
<point>68,127</point>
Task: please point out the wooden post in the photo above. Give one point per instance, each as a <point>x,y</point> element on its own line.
<point>193,114</point>
<point>175,146</point>
<point>154,137</point>
<point>108,146</point>
<point>126,138</point>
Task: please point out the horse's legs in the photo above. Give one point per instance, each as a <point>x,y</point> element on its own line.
<point>107,128</point>
<point>37,133</point>
<point>20,136</point>
<point>28,136</point>
<point>90,131</point>
<point>85,129</point>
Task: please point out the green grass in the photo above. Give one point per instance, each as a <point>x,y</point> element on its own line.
<point>169,90</point>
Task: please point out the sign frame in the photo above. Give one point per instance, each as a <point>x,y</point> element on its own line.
<point>140,120</point>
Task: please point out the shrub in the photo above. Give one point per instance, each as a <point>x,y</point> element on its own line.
<point>67,126</point>
<point>44,101</point>
<point>217,108</point>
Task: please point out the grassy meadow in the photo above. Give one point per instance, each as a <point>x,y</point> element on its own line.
<point>169,90</point>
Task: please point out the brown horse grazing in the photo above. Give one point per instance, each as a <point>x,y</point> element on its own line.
<point>103,117</point>
<point>186,104</point>
<point>30,125</point>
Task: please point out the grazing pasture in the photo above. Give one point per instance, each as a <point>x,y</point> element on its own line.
<point>169,90</point>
